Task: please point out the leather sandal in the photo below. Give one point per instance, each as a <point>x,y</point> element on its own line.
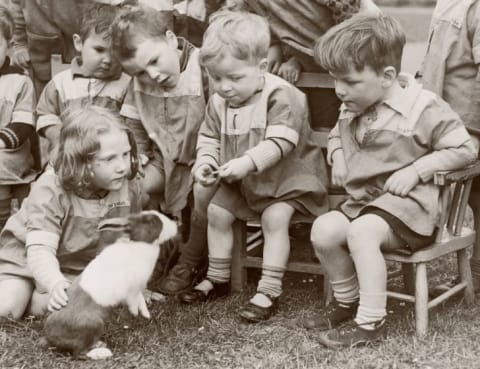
<point>193,296</point>
<point>253,313</point>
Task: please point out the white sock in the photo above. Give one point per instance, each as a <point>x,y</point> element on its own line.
<point>261,300</point>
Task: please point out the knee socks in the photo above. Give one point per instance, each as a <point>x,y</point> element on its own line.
<point>372,308</point>
<point>271,282</point>
<point>219,270</point>
<point>346,290</point>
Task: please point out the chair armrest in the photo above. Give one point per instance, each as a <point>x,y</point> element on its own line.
<point>442,178</point>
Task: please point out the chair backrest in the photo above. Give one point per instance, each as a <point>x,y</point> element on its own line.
<point>57,64</point>
<point>454,206</point>
<point>317,80</point>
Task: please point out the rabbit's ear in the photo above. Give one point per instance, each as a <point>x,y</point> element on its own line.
<point>114,224</point>
<point>145,226</point>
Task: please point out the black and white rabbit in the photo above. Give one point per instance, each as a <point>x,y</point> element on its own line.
<point>117,276</point>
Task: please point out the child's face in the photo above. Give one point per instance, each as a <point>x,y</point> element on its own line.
<point>359,90</point>
<point>96,54</point>
<point>236,80</point>
<point>156,61</point>
<point>4,48</point>
<point>111,164</point>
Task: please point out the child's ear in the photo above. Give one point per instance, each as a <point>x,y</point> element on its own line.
<point>171,39</point>
<point>77,42</point>
<point>389,76</point>
<point>263,65</point>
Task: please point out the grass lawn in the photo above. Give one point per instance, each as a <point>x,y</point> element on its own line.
<point>211,336</point>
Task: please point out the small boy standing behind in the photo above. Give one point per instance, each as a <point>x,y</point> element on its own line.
<point>257,146</point>
<point>451,70</point>
<point>390,138</point>
<point>94,77</point>
<point>16,122</point>
<point>164,107</point>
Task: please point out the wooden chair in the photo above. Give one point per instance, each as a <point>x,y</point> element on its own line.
<point>452,237</point>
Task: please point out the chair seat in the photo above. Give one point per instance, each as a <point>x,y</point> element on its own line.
<point>438,249</point>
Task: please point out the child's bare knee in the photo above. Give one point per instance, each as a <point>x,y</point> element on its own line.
<point>15,295</point>
<point>10,311</point>
<point>219,217</point>
<point>323,235</point>
<point>274,220</point>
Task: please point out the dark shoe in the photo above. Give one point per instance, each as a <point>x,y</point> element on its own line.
<point>254,313</point>
<point>193,296</point>
<point>332,316</point>
<point>179,279</point>
<point>352,334</point>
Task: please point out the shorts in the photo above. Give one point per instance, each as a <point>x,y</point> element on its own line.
<point>413,240</point>
<point>229,197</point>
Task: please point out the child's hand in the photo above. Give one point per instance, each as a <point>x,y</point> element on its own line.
<point>142,161</point>
<point>58,295</point>
<point>21,57</point>
<point>206,175</point>
<point>339,168</point>
<point>236,169</point>
<point>290,70</point>
<point>402,181</point>
<point>274,58</point>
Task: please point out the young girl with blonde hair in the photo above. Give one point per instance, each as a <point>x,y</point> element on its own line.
<point>56,231</point>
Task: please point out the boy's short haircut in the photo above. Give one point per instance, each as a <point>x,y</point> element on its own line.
<point>138,22</point>
<point>361,41</point>
<point>7,24</point>
<point>245,36</point>
<point>96,18</point>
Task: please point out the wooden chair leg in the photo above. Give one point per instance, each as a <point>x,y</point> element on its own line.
<point>421,299</point>
<point>408,278</point>
<point>239,273</point>
<point>466,275</point>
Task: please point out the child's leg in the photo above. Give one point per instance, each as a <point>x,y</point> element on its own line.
<point>220,246</point>
<point>329,239</point>
<point>195,250</point>
<point>5,204</point>
<point>367,236</point>
<point>276,250</point>
<point>474,203</point>
<point>220,243</point>
<point>15,295</point>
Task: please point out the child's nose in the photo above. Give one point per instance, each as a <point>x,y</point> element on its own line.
<point>340,90</point>
<point>225,86</point>
<point>123,165</point>
<point>153,73</point>
<point>107,58</point>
